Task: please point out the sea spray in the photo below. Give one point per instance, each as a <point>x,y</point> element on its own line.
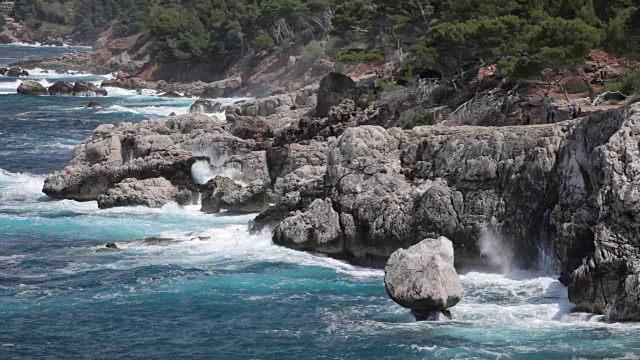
<point>202,171</point>
<point>496,250</point>
<point>547,262</point>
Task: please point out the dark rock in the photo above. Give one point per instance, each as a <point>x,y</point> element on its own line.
<point>94,105</point>
<point>31,87</point>
<point>224,193</point>
<point>153,240</point>
<point>14,72</point>
<point>61,88</point>
<point>334,89</point>
<point>83,88</point>
<point>111,245</point>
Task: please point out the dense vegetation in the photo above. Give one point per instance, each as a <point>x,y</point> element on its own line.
<point>444,37</point>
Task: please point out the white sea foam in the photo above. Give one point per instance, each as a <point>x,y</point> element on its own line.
<point>59,145</point>
<point>146,110</point>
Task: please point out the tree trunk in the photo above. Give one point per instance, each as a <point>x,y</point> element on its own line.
<point>583,76</point>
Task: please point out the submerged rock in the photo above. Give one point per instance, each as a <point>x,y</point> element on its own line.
<point>153,240</point>
<point>32,87</point>
<point>422,278</point>
<point>108,247</point>
<point>94,105</point>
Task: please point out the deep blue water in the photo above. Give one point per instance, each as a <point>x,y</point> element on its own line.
<point>215,291</point>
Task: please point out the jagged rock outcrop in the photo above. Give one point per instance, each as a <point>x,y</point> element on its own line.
<point>225,193</point>
<point>316,229</point>
<point>278,112</point>
<point>61,88</point>
<point>154,193</point>
<point>603,225</point>
<point>422,278</point>
<point>333,90</point>
<point>568,188</point>
<point>119,166</point>
<point>32,87</point>
<point>204,106</point>
<point>83,88</point>
<point>397,186</point>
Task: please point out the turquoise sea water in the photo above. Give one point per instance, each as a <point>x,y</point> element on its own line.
<point>215,292</point>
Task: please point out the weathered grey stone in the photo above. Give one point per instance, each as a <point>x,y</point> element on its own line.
<point>318,228</point>
<point>422,278</point>
<point>153,193</point>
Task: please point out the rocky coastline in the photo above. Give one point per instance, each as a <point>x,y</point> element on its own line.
<point>326,181</point>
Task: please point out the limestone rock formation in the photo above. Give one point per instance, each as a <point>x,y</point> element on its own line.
<point>32,87</point>
<point>568,188</point>
<point>154,193</point>
<point>316,229</point>
<point>224,193</point>
<point>120,165</point>
<point>422,278</point>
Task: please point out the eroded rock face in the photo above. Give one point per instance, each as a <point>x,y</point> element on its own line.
<point>422,278</point>
<point>31,87</point>
<point>316,229</point>
<point>153,193</point>
<point>121,165</point>
<point>605,170</point>
<point>569,187</point>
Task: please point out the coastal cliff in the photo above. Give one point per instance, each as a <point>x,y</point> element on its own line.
<point>519,196</point>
